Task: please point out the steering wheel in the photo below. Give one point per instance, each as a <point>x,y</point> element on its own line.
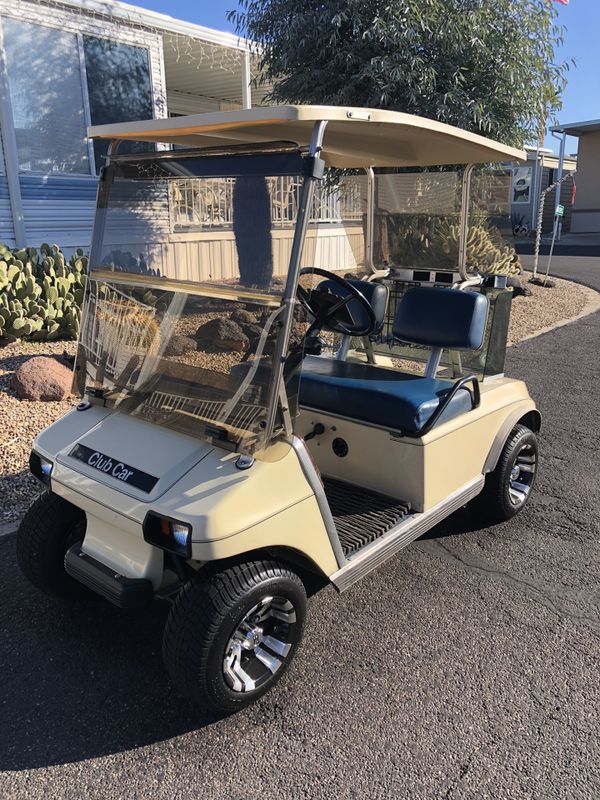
<point>320,305</point>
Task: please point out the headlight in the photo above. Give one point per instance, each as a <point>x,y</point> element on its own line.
<point>40,467</point>
<point>168,534</point>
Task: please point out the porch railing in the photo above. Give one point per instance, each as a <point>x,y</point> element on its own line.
<point>206,204</point>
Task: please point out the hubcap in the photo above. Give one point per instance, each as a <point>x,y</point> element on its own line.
<point>522,475</point>
<point>259,644</point>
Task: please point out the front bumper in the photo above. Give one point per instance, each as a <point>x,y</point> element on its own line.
<point>120,590</point>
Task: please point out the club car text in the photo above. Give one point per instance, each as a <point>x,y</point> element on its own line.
<point>116,469</point>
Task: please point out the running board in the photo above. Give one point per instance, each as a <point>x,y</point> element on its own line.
<point>410,528</point>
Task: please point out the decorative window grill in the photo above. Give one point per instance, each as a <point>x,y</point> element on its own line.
<point>208,203</point>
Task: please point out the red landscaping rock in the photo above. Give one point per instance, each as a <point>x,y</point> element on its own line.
<point>42,378</point>
<point>222,334</point>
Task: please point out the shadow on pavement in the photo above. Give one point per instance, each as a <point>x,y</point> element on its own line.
<point>465,520</point>
<point>80,679</point>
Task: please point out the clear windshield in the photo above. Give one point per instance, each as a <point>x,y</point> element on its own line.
<point>160,219</point>
<point>199,364</point>
<point>186,291</point>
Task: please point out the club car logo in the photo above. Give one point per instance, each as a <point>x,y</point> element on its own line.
<point>116,469</point>
<point>106,464</point>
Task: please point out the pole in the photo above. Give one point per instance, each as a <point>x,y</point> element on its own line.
<point>559,178</point>
<point>246,78</point>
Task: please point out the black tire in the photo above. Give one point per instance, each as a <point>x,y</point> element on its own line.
<point>500,500</point>
<point>49,528</point>
<point>205,620</point>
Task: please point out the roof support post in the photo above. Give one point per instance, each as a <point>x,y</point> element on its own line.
<point>464,221</point>
<point>11,153</point>
<point>277,391</point>
<point>246,78</point>
<point>370,227</point>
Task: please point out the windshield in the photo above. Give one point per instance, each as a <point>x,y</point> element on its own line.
<point>186,292</point>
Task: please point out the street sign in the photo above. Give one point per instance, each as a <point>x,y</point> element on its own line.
<point>560,210</point>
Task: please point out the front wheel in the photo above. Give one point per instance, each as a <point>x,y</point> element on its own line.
<point>231,636</point>
<point>508,488</point>
<point>49,528</point>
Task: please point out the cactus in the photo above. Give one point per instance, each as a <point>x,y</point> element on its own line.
<point>41,293</point>
<point>423,240</point>
<point>486,252</point>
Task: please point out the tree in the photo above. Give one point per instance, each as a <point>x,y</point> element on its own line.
<point>485,65</point>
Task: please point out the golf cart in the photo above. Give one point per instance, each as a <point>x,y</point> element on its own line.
<point>273,398</point>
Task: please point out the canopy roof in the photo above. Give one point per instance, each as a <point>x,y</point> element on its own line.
<point>578,128</point>
<point>354,137</point>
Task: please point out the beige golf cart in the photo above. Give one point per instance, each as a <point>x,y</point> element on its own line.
<point>289,371</point>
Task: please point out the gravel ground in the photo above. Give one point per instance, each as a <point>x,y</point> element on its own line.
<point>546,307</point>
<point>25,419</point>
<point>22,422</point>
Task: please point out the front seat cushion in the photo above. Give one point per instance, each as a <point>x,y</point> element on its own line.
<point>385,397</point>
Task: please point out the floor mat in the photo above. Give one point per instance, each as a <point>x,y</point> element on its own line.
<point>360,515</point>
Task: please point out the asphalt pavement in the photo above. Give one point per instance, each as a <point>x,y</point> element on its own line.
<point>466,667</point>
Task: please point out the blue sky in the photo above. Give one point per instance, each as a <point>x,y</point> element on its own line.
<point>581,100</point>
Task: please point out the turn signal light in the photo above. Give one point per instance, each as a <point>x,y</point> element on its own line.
<point>168,534</point>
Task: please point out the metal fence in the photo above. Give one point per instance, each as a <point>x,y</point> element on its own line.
<point>204,204</point>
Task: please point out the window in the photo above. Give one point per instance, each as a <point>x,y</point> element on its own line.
<point>522,184</point>
<point>119,88</point>
<point>44,79</point>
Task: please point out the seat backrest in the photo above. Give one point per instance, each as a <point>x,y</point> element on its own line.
<point>441,318</point>
<point>375,293</point>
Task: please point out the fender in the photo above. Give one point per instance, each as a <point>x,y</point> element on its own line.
<point>524,411</point>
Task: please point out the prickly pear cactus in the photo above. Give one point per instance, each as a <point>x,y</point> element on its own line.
<point>41,294</point>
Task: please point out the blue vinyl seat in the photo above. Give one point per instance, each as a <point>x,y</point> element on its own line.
<point>396,400</point>
<point>401,401</point>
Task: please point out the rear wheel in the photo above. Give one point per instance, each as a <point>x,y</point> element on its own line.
<point>508,488</point>
<point>231,636</point>
<point>49,528</point>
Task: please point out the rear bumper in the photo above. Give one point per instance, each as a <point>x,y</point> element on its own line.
<point>118,589</point>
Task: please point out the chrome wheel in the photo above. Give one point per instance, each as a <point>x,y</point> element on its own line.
<point>522,475</point>
<point>260,644</point>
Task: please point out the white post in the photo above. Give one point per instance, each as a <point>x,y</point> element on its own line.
<point>561,160</point>
<point>559,179</point>
<point>11,153</point>
<point>246,78</point>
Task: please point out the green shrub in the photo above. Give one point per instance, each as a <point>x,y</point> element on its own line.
<point>41,293</point>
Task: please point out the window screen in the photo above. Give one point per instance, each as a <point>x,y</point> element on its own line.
<point>44,80</point>
<point>119,87</point>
